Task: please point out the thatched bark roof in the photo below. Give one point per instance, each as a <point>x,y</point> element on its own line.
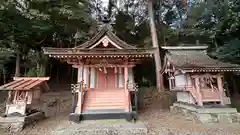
<point>195,58</point>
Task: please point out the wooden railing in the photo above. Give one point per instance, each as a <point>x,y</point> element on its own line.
<point>79,88</point>
<point>205,95</point>
<point>132,87</point>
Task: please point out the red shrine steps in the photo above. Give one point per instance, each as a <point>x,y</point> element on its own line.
<point>103,104</point>
<point>103,99</point>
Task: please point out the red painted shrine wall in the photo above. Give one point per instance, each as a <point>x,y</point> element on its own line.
<point>101,79</point>
<point>108,80</point>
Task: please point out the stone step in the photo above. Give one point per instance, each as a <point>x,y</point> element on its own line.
<point>211,100</point>
<point>103,127</point>
<point>207,114</point>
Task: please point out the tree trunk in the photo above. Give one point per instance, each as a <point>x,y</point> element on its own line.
<point>159,78</point>
<point>235,89</point>
<point>110,7</point>
<point>25,70</point>
<point>43,70</point>
<point>4,77</point>
<point>50,71</point>
<point>57,74</point>
<point>17,69</point>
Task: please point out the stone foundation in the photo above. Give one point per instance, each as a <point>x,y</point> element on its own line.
<point>207,115</point>
<point>103,127</point>
<point>17,123</point>
<point>34,117</point>
<point>14,124</point>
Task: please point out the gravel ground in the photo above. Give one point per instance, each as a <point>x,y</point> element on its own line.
<point>163,122</point>
<point>158,121</point>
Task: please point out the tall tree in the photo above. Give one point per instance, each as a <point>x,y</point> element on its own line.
<point>219,20</point>
<point>159,77</point>
<point>26,25</point>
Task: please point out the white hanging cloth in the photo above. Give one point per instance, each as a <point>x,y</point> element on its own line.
<point>105,70</point>
<point>120,70</point>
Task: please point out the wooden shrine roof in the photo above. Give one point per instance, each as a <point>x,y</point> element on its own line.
<point>25,83</point>
<point>195,59</point>
<point>77,52</point>
<point>106,30</point>
<point>105,42</point>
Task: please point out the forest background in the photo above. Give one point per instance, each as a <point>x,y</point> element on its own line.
<point>28,25</point>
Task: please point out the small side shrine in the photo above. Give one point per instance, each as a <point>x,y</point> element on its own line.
<point>22,104</point>
<point>105,87</point>
<point>197,80</point>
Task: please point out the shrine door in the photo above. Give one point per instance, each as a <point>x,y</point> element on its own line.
<point>106,80</point>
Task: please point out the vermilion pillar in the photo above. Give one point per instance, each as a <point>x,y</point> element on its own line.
<point>80,74</point>
<point>86,76</point>
<point>125,77</point>
<point>220,88</point>
<point>199,94</point>
<point>126,89</point>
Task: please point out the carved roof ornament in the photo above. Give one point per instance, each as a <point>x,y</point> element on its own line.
<point>105,42</point>
<point>106,22</point>
<point>105,30</point>
<point>104,63</point>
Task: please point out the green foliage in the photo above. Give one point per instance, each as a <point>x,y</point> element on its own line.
<point>27,26</point>
<point>43,21</point>
<point>127,30</point>
<point>229,52</point>
<point>132,24</point>
<point>36,72</point>
<point>219,19</point>
<point>5,57</point>
<point>31,73</point>
<point>41,71</point>
<point>30,25</point>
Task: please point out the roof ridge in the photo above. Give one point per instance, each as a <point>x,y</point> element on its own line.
<point>93,39</point>
<point>185,47</point>
<point>198,58</point>
<point>119,40</point>
<point>105,31</point>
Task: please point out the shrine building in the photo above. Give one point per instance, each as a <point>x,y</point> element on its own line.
<point>105,76</point>
<point>198,81</point>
